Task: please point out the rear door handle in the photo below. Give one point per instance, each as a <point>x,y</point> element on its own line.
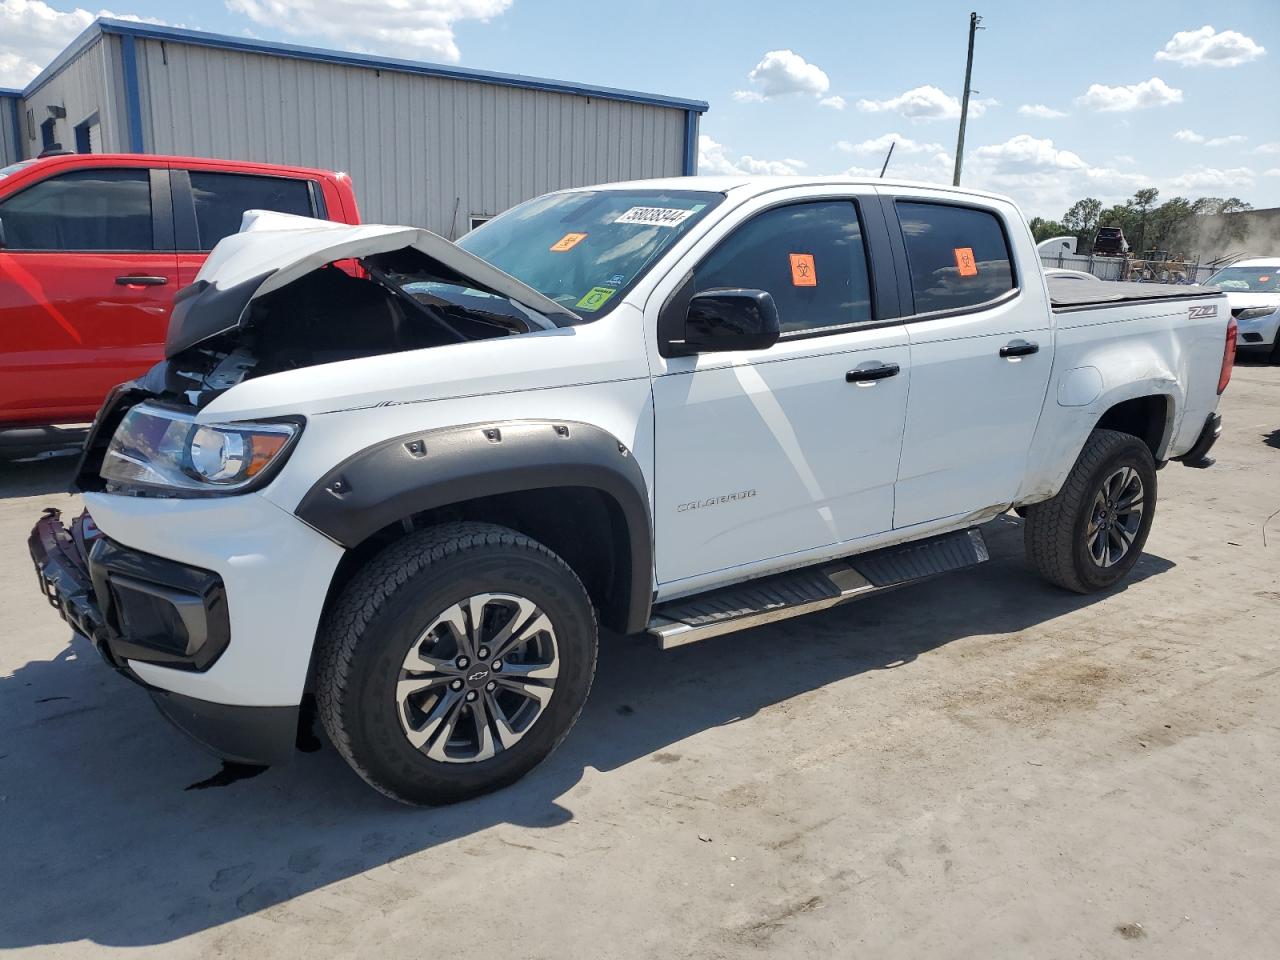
<point>142,281</point>
<point>1019,348</point>
<point>867,374</point>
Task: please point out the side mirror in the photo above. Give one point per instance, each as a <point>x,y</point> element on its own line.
<point>720,320</point>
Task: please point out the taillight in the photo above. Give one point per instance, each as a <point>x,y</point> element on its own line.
<point>1228,355</point>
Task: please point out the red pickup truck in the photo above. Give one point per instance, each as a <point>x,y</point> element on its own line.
<point>93,248</point>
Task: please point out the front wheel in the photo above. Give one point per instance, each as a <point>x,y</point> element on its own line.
<point>1089,536</point>
<point>455,662</point>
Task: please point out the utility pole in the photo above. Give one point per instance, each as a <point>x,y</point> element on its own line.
<point>974,20</point>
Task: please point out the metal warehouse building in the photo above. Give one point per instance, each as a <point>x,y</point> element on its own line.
<point>425,144</point>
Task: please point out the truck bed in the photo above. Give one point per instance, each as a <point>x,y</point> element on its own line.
<point>1067,294</point>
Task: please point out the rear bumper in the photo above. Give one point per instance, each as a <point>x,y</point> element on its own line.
<point>136,609</point>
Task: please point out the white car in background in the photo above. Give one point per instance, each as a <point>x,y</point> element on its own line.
<point>1253,290</point>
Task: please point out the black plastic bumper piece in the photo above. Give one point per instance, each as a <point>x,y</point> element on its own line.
<point>131,605</point>
<point>1198,455</point>
<point>261,736</point>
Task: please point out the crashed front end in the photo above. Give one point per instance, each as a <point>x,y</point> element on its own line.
<point>186,579</point>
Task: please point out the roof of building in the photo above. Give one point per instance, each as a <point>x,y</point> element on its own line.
<point>147,31</point>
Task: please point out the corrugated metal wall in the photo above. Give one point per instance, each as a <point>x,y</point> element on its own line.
<point>89,84</point>
<point>421,150</point>
<point>10,127</point>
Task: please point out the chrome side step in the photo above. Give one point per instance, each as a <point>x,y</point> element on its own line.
<point>812,589</point>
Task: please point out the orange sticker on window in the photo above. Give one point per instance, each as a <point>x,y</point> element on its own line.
<point>965,263</point>
<point>1264,279</point>
<point>567,242</point>
<point>803,272</point>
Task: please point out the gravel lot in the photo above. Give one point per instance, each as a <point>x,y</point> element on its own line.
<point>979,766</point>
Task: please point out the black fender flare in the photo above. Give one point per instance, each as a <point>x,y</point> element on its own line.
<point>412,473</point>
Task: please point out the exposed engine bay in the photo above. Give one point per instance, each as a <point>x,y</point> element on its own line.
<point>387,304</point>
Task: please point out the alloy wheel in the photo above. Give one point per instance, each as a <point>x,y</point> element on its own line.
<point>477,679</point>
<point>1115,518</point>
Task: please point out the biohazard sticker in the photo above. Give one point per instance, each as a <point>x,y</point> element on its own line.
<point>567,242</point>
<point>803,272</point>
<point>965,263</point>
<point>656,216</point>
<point>595,298</point>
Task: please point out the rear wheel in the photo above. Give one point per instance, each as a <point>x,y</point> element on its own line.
<point>455,662</point>
<point>1090,535</point>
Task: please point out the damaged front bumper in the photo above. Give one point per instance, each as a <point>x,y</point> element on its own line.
<point>138,608</point>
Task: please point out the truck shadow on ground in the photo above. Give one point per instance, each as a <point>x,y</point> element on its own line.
<point>21,476</point>
<point>103,842</point>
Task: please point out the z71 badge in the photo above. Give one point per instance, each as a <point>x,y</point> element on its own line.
<point>1199,313</point>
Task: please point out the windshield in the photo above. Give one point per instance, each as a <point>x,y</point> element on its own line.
<point>585,250</point>
<point>14,167</point>
<point>1253,279</point>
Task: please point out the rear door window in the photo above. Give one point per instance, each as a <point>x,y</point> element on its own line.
<point>809,256</point>
<point>82,210</point>
<point>222,198</point>
<point>959,256</point>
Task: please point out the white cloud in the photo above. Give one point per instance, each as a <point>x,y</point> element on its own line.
<point>1206,47</point>
<point>1025,152</point>
<point>1041,111</point>
<point>1135,96</point>
<point>878,146</point>
<point>1209,179</point>
<point>32,33</point>
<point>925,103</point>
<point>1190,136</point>
<point>782,73</point>
<point>1267,148</point>
<point>713,158</point>
<point>415,30</point>
<point>1273,172</point>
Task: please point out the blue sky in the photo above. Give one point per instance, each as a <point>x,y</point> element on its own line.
<point>1183,99</point>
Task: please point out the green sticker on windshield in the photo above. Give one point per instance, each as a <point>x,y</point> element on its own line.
<point>596,298</point>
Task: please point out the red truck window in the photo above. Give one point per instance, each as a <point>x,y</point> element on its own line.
<point>222,198</point>
<point>85,210</point>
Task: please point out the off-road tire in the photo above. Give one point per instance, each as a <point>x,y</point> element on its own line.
<point>1054,532</point>
<point>366,633</point>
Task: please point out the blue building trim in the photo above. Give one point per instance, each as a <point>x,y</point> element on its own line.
<point>690,142</point>
<point>128,30</point>
<point>14,100</point>
<point>132,97</point>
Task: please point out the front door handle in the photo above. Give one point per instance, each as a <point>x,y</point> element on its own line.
<point>142,281</point>
<point>868,374</point>
<point>1019,348</point>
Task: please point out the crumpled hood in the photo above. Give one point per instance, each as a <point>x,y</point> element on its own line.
<point>274,249</point>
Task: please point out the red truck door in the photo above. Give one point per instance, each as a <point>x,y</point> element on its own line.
<point>209,205</point>
<point>87,276</point>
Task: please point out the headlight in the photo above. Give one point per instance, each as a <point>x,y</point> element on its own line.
<point>167,451</point>
<point>1253,313</point>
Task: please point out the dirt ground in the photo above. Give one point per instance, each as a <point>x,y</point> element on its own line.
<point>980,766</point>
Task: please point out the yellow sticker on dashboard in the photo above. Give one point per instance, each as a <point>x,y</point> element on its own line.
<point>595,298</point>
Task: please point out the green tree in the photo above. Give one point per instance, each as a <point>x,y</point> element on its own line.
<point>1043,229</point>
<point>1142,202</point>
<point>1082,219</point>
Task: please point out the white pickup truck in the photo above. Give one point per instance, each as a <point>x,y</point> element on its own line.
<point>403,480</point>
